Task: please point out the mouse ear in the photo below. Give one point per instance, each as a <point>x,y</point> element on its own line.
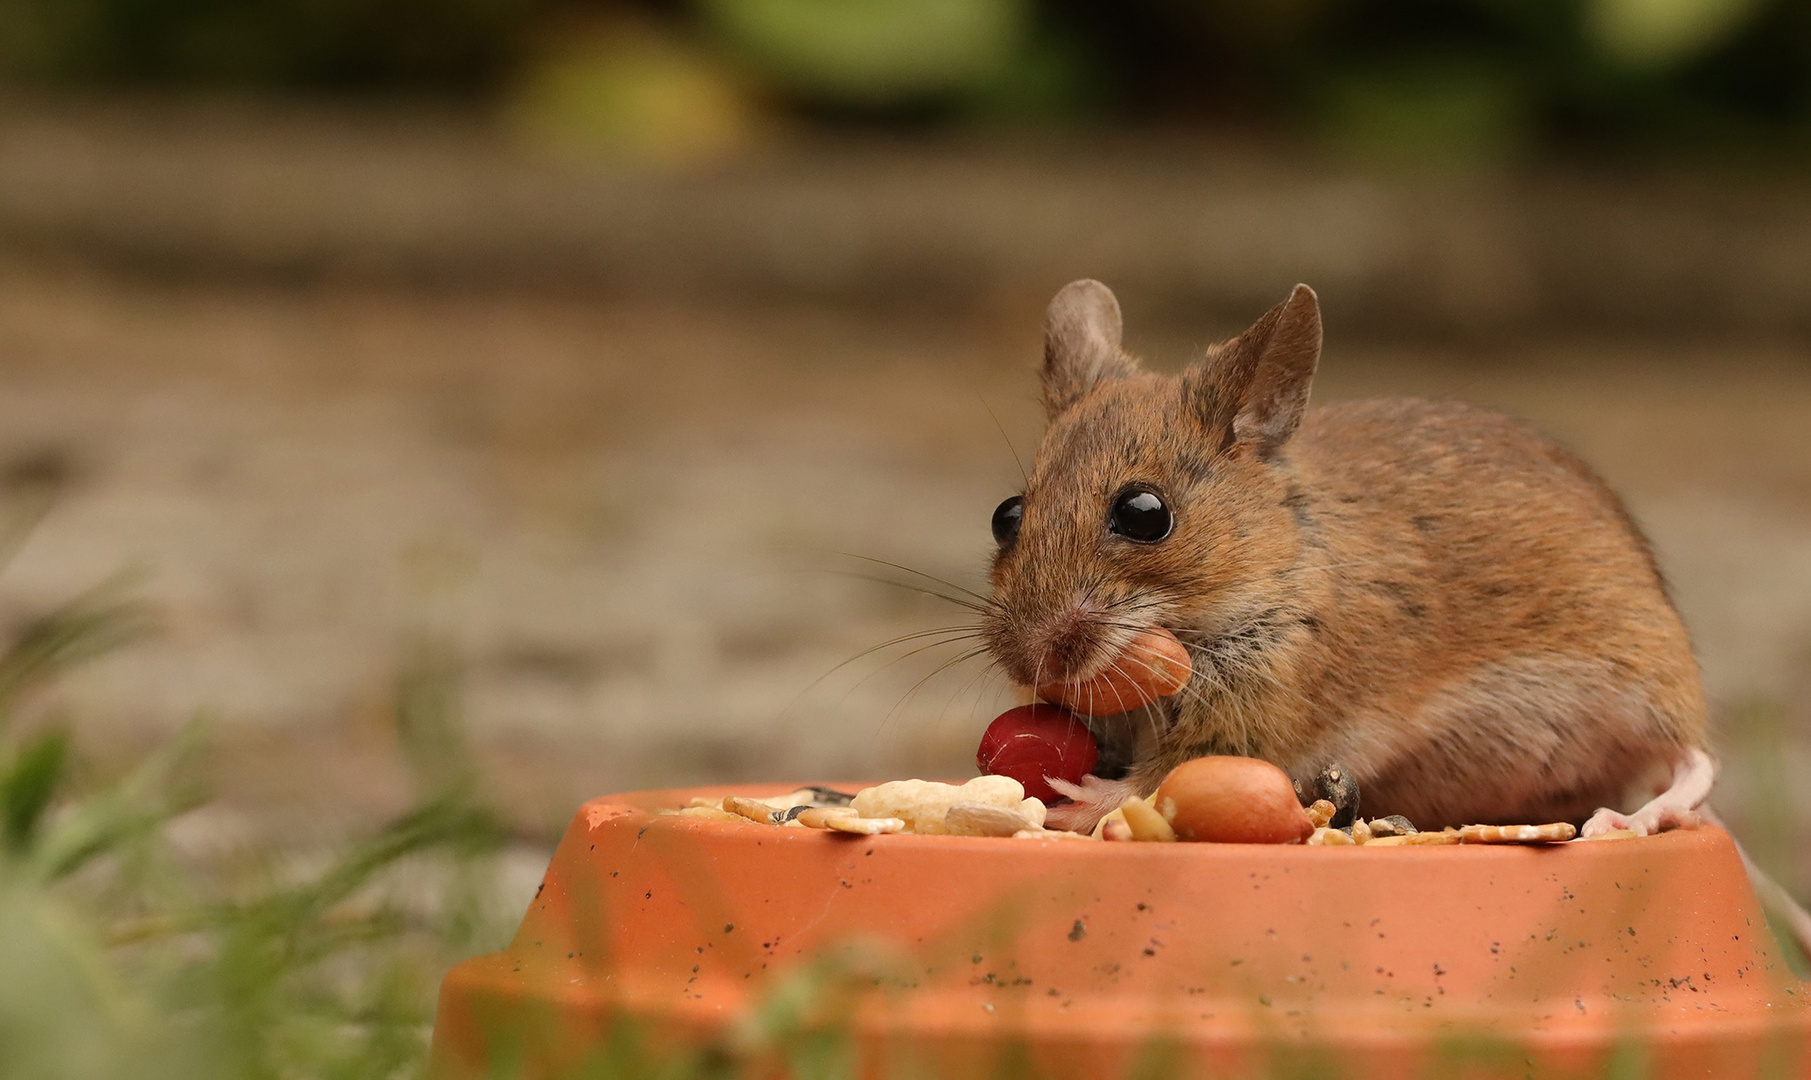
<point>1081,344</point>
<point>1255,387</point>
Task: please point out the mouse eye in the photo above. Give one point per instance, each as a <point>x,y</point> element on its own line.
<point>1139,514</point>
<point>1006,520</point>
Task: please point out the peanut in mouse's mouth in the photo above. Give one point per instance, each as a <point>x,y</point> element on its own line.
<point>1155,665</point>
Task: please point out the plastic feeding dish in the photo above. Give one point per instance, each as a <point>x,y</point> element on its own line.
<point>961,956</point>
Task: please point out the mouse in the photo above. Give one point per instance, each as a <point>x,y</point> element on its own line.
<point>1433,597</point>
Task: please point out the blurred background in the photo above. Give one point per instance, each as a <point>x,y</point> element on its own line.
<point>577,352</point>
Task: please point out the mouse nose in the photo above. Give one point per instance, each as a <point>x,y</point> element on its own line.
<point>1064,645</point>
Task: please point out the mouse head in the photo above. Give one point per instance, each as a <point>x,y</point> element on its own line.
<point>1153,500</point>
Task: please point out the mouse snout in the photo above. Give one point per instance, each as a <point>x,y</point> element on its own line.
<point>1065,646</point>
<point>1054,647</point>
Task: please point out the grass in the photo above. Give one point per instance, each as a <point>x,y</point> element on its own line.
<point>124,960</point>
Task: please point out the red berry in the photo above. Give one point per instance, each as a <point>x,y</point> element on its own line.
<point>1032,742</point>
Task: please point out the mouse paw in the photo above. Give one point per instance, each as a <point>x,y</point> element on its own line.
<point>1666,817</point>
<point>1094,799</point>
<point>1650,819</point>
<point>1607,820</point>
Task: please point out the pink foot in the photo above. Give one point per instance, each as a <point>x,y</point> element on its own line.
<point>1094,799</point>
<point>1674,808</point>
<point>1647,821</point>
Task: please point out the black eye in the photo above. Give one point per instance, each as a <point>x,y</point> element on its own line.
<point>1139,514</point>
<point>1006,520</point>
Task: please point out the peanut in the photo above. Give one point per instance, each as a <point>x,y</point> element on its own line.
<point>981,819</point>
<point>923,803</point>
<point>1146,823</point>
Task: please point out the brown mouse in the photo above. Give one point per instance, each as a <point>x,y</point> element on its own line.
<point>1450,606</point>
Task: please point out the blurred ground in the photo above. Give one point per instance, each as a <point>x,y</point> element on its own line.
<point>621,505</point>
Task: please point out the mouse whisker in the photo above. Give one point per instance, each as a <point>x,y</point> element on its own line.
<point>1135,628</point>
<point>977,683</point>
<point>995,417</point>
<point>984,601</point>
<point>1186,690</point>
<point>1225,702</point>
<point>1218,669</point>
<point>957,600</point>
<point>934,672</point>
<point>1088,593</point>
<point>987,672</point>
<point>1130,598</point>
<point>954,633</point>
<point>1149,602</point>
<point>859,683</point>
<point>1223,668</point>
<point>1150,715</point>
<point>1149,719</point>
<point>946,634</point>
<point>1236,667</point>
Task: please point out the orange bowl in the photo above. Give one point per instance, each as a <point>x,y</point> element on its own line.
<point>960,956</point>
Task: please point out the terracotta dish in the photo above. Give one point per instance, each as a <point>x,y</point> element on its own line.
<point>961,956</point>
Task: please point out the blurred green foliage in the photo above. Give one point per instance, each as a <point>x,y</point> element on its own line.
<point>632,85</point>
<point>126,958</point>
<point>876,51</point>
<point>1418,77</point>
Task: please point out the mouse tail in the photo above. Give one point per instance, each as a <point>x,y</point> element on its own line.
<point>1775,900</point>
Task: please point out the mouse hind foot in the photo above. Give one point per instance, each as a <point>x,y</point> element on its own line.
<point>1674,808</point>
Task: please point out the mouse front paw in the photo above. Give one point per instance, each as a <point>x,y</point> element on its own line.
<point>1094,798</point>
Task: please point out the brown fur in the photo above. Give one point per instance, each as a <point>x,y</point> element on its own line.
<point>1451,606</point>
